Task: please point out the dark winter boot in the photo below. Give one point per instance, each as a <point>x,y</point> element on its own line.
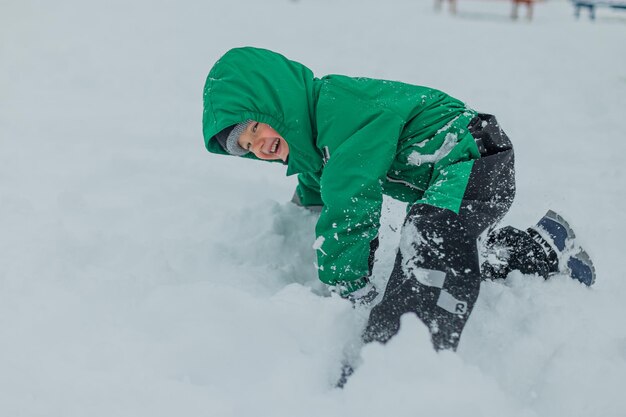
<point>545,249</point>
<point>573,260</point>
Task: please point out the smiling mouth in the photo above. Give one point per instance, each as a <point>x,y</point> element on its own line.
<point>275,145</point>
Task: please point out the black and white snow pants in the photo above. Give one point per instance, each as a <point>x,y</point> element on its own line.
<point>437,273</point>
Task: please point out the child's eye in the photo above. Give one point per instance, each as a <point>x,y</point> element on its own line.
<point>248,146</point>
<point>255,127</point>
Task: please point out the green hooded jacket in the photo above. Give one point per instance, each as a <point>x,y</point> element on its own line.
<point>351,140</point>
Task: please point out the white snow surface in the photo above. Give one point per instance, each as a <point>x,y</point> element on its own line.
<point>142,276</point>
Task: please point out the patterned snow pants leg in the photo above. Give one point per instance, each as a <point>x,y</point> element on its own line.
<point>437,274</point>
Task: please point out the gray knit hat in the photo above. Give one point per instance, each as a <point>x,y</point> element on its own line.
<point>229,138</point>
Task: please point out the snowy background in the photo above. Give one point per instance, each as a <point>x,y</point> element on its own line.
<point>142,276</point>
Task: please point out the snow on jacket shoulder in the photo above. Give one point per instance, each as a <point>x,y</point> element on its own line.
<point>350,140</point>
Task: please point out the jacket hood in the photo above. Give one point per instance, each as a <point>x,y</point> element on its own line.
<point>261,85</point>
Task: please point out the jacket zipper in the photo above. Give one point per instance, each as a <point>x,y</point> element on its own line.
<point>325,154</point>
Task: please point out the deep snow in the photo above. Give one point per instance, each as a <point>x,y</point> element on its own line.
<point>142,276</point>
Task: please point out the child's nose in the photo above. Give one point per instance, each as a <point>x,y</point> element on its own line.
<point>257,145</point>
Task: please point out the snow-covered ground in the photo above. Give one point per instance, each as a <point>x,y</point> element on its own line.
<point>142,276</point>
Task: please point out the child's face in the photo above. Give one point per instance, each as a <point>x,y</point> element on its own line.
<point>264,142</point>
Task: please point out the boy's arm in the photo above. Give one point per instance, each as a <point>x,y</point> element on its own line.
<point>307,192</point>
<point>352,196</point>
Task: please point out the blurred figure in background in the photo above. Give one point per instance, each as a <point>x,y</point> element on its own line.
<point>451,3</point>
<point>529,9</point>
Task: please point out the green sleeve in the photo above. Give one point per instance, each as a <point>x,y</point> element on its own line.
<point>308,190</point>
<point>352,195</point>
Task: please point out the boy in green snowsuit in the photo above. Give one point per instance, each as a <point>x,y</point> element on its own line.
<point>351,140</point>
